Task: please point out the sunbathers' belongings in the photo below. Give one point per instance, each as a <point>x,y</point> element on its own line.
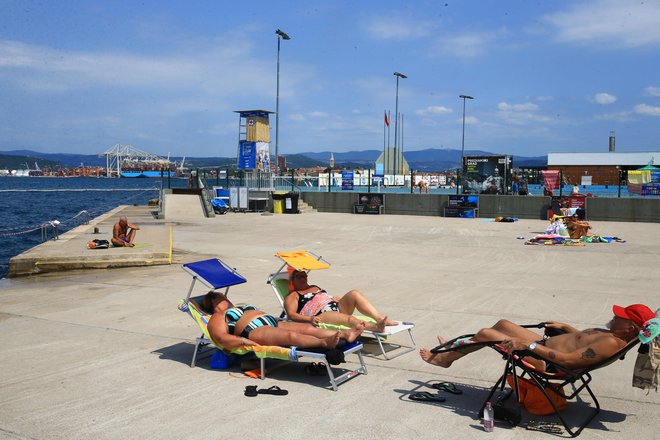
<point>448,387</point>
<point>544,426</point>
<point>646,374</point>
<point>506,219</point>
<point>425,396</point>
<point>98,244</point>
<point>533,399</point>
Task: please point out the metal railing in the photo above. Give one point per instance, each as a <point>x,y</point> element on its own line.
<point>82,218</point>
<point>52,227</point>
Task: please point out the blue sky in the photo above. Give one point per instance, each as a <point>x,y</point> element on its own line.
<point>166,76</point>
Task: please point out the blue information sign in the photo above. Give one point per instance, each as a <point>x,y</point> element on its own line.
<point>247,155</point>
<point>347,180</point>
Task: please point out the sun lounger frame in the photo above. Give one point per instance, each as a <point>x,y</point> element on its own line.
<point>233,278</point>
<point>401,349</point>
<point>547,382</point>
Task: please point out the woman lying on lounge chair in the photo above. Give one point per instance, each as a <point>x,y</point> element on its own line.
<point>314,305</point>
<point>233,326</point>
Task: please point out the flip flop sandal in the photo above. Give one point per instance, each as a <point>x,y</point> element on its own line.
<point>448,387</point>
<point>315,369</point>
<point>274,390</point>
<point>543,426</point>
<point>251,390</point>
<point>425,396</point>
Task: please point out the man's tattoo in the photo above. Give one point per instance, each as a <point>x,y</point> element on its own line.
<point>589,354</point>
<point>551,355</point>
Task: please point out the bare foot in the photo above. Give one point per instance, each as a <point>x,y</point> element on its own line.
<point>390,322</point>
<point>434,358</point>
<point>380,325</point>
<point>332,341</point>
<point>354,333</point>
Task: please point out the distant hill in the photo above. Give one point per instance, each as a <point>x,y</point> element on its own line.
<point>430,159</point>
<point>21,162</point>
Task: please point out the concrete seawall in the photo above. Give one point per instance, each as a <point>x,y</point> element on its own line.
<point>527,207</point>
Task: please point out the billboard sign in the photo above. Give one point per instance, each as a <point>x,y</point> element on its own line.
<point>486,175</point>
<point>347,180</point>
<point>247,153</point>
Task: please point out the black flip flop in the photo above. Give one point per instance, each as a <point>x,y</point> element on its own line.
<point>316,369</point>
<point>251,390</point>
<point>425,396</point>
<point>448,387</point>
<point>274,390</point>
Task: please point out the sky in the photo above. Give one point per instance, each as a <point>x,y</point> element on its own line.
<point>167,76</point>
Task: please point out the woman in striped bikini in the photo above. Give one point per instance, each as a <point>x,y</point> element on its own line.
<point>232,326</point>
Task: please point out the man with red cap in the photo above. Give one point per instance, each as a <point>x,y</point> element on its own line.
<point>572,349</point>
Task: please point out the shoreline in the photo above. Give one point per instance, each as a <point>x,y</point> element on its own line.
<point>105,353</point>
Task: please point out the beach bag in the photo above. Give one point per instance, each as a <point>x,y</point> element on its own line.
<point>646,374</point>
<point>533,399</point>
<point>98,244</point>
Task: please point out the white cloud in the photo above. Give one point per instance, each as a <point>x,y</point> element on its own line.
<point>464,46</point>
<point>525,107</point>
<point>297,117</point>
<point>626,116</point>
<point>520,114</point>
<point>649,110</point>
<point>433,110</point>
<point>398,28</point>
<point>604,98</point>
<point>652,91</point>
<point>544,98</point>
<point>616,23</point>
<point>318,114</point>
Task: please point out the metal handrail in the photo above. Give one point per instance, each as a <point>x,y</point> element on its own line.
<point>53,227</point>
<point>82,213</point>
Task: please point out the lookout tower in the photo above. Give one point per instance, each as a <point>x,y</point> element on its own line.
<point>254,140</point>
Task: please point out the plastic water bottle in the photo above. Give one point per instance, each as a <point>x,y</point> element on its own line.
<point>489,418</point>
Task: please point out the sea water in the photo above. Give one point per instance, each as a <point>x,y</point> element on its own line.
<point>29,202</point>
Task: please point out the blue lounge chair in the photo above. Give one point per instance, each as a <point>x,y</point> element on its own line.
<point>215,274</point>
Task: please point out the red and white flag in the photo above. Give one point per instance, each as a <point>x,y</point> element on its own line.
<point>387,120</point>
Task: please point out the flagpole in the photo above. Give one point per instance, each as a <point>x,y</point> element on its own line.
<point>389,118</point>
<point>384,138</point>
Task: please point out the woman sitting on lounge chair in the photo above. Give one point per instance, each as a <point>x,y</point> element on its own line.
<point>233,326</point>
<point>314,305</point>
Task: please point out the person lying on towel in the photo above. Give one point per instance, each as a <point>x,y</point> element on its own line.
<point>314,305</point>
<point>233,326</point>
<point>574,349</point>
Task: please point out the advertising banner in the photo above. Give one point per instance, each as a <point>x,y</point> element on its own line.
<point>263,156</point>
<point>486,175</point>
<point>551,179</point>
<point>247,152</point>
<point>347,180</point>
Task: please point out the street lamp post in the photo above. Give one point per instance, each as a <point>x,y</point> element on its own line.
<point>281,35</point>
<point>463,97</point>
<point>396,117</point>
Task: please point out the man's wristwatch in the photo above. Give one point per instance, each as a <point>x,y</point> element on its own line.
<point>532,346</point>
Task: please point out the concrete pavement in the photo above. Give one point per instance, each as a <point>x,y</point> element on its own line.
<point>104,353</point>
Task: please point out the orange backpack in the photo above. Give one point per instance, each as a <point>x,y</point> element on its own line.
<point>533,399</point>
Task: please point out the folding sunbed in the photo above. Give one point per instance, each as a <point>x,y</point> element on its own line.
<point>215,274</point>
<point>307,261</point>
<point>553,380</point>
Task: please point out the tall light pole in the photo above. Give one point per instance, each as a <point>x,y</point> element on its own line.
<point>396,116</point>
<point>463,97</point>
<point>281,35</point>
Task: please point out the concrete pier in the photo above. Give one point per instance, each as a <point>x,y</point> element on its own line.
<point>105,354</point>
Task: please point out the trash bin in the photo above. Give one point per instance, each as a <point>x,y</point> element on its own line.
<point>291,203</point>
<point>278,202</point>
